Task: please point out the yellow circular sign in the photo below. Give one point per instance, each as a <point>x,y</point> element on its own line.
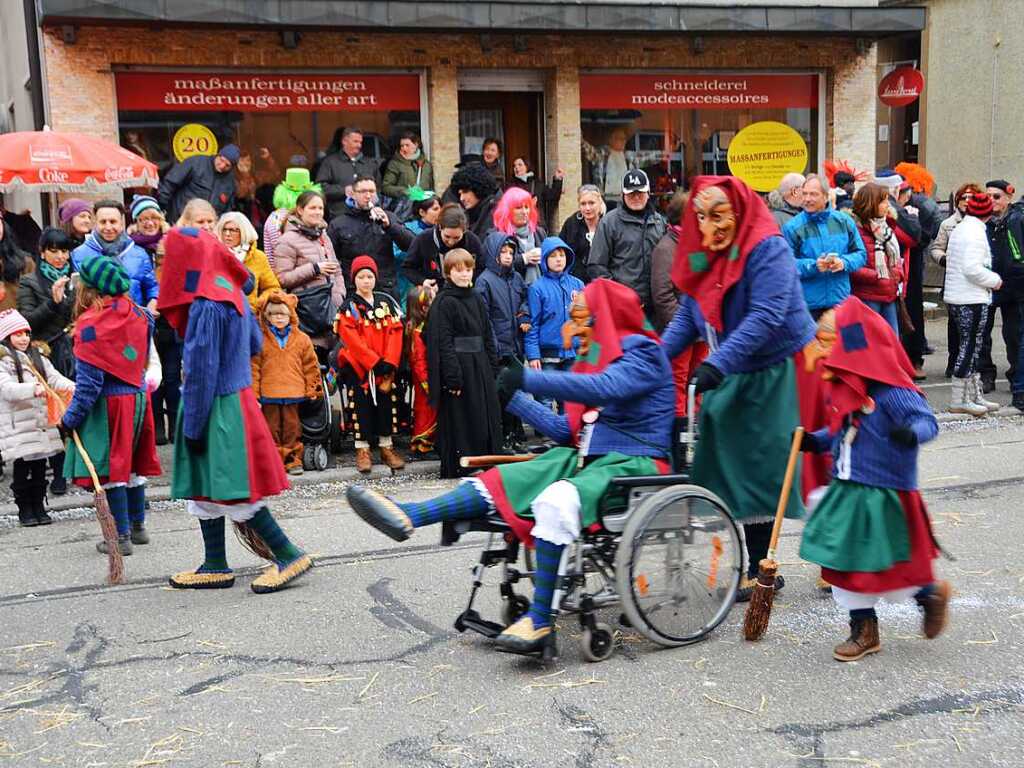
<point>194,139</point>
<point>762,153</point>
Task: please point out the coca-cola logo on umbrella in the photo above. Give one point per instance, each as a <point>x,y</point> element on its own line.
<point>38,154</point>
<point>902,86</point>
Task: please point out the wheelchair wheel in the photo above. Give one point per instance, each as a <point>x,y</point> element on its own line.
<point>598,644</point>
<point>678,565</point>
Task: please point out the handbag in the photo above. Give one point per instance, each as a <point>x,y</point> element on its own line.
<point>316,309</point>
<point>62,354</point>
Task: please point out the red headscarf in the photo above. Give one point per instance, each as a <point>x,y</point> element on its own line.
<point>708,276</point>
<point>616,313</point>
<point>197,265</point>
<point>866,350</point>
<point>114,338</point>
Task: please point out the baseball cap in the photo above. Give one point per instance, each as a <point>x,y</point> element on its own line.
<point>635,180</point>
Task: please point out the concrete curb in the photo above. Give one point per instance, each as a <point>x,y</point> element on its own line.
<point>77,506</point>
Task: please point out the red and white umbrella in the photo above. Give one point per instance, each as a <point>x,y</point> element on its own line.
<point>52,161</point>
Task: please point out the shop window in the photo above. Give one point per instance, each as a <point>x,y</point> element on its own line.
<point>675,126</point>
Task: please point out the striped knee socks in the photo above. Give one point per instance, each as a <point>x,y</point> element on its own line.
<point>549,556</point>
<point>463,502</point>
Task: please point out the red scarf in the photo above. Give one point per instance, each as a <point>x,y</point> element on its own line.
<point>866,350</point>
<point>197,265</point>
<point>708,276</point>
<point>114,338</point>
<point>616,313</point>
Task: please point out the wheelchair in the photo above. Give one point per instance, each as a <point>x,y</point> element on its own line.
<point>670,560</point>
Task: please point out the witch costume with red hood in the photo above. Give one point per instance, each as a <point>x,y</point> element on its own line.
<point>742,296</point>
<point>225,460</point>
<point>870,533</point>
<point>620,400</point>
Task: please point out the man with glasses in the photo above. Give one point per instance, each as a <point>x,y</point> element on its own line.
<point>1006,239</point>
<point>364,228</point>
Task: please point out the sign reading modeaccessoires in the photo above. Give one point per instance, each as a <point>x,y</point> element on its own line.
<point>902,86</point>
<point>264,92</point>
<point>703,91</point>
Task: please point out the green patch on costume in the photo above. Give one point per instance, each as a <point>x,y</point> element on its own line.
<point>221,473</point>
<point>593,354</point>
<point>130,353</point>
<point>94,432</point>
<point>698,261</point>
<point>524,482</point>
<point>857,528</point>
<point>745,430</point>
<point>224,283</point>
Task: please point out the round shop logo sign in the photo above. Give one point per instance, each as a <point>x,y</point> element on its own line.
<point>193,139</point>
<point>762,153</point>
<point>901,87</point>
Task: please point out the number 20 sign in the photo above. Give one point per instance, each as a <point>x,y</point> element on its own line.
<point>194,139</point>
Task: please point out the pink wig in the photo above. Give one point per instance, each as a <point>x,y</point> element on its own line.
<point>514,197</point>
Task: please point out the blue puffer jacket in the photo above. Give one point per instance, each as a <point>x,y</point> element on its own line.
<point>764,316</point>
<point>504,293</point>
<point>132,257</point>
<point>549,299</point>
<point>636,395</point>
<point>811,235</point>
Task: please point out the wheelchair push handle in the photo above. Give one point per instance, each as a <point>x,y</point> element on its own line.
<point>689,439</point>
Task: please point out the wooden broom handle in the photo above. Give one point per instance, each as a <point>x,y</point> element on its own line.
<point>467,462</point>
<point>787,486</point>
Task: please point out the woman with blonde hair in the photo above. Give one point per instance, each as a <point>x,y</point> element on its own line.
<point>578,230</point>
<point>239,235</point>
<point>198,213</point>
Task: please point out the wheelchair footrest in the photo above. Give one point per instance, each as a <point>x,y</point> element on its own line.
<point>470,619</point>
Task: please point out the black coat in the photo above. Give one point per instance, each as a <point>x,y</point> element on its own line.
<point>547,195</point>
<point>574,233</point>
<point>353,234</point>
<point>35,301</point>
<point>424,257</point>
<point>337,171</point>
<point>196,177</point>
<point>461,356</point>
<point>481,216</point>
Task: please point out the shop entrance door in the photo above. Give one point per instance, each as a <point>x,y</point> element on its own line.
<point>508,106</point>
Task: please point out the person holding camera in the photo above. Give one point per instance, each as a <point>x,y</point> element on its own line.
<point>366,229</point>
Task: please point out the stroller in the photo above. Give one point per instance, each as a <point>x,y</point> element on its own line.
<point>318,425</point>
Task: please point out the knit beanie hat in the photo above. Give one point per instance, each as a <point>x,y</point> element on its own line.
<point>889,179</point>
<point>979,204</point>
<point>142,203</point>
<point>12,321</point>
<point>105,275</point>
<point>1002,184</point>
<point>362,262</point>
<point>231,152</point>
<point>71,208</point>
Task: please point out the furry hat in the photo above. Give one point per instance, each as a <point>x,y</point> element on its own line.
<point>475,178</point>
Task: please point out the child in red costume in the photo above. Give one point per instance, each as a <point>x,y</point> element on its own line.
<point>424,417</point>
<point>370,328</point>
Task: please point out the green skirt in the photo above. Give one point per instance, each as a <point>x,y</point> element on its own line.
<point>746,427</point>
<point>857,528</point>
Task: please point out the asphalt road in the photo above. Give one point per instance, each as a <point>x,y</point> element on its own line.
<point>357,664</point>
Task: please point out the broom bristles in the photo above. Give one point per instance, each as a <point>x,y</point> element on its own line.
<point>759,610</point>
<point>252,541</point>
<point>115,562</point>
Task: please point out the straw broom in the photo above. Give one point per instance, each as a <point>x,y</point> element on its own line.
<point>115,562</point>
<point>759,610</point>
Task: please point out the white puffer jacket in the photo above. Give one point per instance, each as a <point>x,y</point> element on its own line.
<point>969,277</point>
<point>24,431</point>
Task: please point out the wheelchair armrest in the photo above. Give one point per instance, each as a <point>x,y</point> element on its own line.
<point>647,481</point>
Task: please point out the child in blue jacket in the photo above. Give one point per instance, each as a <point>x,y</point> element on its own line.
<point>549,299</point>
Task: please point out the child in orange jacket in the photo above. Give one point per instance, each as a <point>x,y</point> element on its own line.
<point>285,374</point>
<point>424,415</point>
<point>370,328</point>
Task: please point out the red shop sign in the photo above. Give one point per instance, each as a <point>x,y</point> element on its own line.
<point>264,92</point>
<point>706,91</point>
<point>900,87</point>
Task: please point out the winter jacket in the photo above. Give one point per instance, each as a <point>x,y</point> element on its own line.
<point>504,293</point>
<point>1006,238</point>
<point>783,213</point>
<point>25,432</point>
<point>354,233</point>
<point>969,277</point>
<point>664,297</point>
<point>765,319</point>
<point>865,283</point>
<point>35,301</point>
<point>15,264</point>
<point>577,235</point>
<point>264,279</point>
<point>195,177</point>
<point>337,171</point>
<point>426,252</point>
<point>296,262</point>
<point>481,216</point>
<point>812,235</point>
<point>941,241</point>
<point>549,299</point>
<point>929,216</point>
<point>132,257</point>
<point>635,393</point>
<point>402,174</point>
<point>285,371</point>
<point>622,248</point>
